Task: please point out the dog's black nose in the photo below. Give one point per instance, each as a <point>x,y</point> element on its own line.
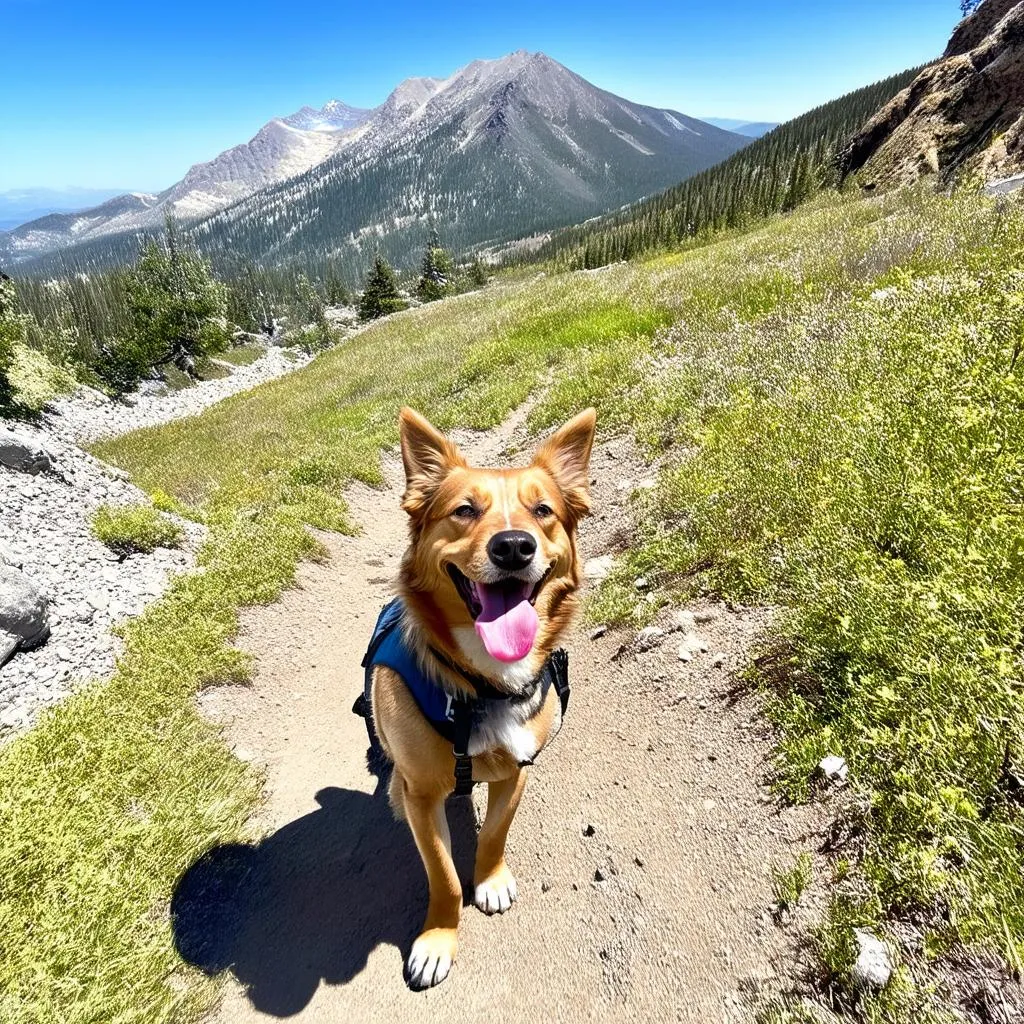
<point>512,549</point>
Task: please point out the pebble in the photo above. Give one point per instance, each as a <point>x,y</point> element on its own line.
<point>649,637</point>
<point>833,767</point>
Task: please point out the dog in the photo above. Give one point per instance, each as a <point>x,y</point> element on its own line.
<point>488,586</point>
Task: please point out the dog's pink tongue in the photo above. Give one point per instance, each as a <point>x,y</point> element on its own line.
<point>508,623</point>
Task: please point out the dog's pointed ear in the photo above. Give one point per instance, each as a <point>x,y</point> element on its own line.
<point>566,456</point>
<point>428,457</point>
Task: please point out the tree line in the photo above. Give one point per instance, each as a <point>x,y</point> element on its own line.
<point>170,308</point>
<point>772,175</point>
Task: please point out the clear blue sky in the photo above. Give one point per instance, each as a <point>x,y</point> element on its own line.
<point>130,95</point>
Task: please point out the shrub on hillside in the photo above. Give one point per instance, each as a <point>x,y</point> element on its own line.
<point>175,312</point>
<point>436,272</point>
<point>380,296</point>
<point>11,331</point>
<point>134,528</point>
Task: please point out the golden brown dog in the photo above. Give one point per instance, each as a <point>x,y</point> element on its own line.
<point>489,581</point>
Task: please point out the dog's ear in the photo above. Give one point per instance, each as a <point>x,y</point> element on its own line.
<point>566,456</point>
<point>428,457</point>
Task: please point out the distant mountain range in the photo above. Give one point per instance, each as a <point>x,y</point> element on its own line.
<point>751,129</point>
<point>499,149</point>
<point>19,205</point>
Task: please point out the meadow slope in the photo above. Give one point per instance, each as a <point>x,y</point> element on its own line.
<point>837,397</point>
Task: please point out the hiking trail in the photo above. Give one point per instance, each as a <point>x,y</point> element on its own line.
<point>643,847</point>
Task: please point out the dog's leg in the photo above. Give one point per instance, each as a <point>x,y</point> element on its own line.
<point>494,885</point>
<point>433,953</point>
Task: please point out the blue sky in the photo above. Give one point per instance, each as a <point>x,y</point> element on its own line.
<point>111,94</point>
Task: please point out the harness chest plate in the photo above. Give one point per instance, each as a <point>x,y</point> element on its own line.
<point>452,716</point>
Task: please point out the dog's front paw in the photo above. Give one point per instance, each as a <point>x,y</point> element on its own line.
<point>431,958</point>
<point>494,895</point>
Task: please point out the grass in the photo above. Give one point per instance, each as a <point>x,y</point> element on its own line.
<point>836,397</point>
<point>790,884</point>
<point>134,528</point>
<point>242,355</point>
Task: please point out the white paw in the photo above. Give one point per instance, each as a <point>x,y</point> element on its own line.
<point>429,961</point>
<point>497,894</point>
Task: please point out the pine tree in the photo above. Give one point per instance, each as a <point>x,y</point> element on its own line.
<point>12,329</point>
<point>477,273</point>
<point>175,311</point>
<point>436,271</point>
<point>380,294</point>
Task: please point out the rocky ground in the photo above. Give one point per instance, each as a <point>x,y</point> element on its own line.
<point>88,414</point>
<point>61,589</point>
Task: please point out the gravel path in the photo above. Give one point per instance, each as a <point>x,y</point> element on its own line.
<point>643,847</point>
<point>45,532</point>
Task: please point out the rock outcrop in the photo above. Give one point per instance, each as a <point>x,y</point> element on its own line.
<point>963,113</point>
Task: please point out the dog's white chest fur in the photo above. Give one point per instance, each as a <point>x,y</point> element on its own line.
<point>504,724</point>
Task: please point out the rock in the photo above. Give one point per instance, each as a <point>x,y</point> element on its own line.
<point>683,620</point>
<point>833,768</point>
<point>8,557</point>
<point>598,632</point>
<point>589,830</point>
<point>692,645</point>
<point>545,885</point>
<point>873,967</point>
<point>600,876</point>
<point>649,637</point>
<point>641,583</point>
<point>153,388</point>
<point>705,615</point>
<point>647,485</point>
<point>598,568</point>
<point>23,455</point>
<point>23,609</point>
<point>718,661</point>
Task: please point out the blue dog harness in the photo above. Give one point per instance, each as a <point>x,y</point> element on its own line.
<point>452,716</point>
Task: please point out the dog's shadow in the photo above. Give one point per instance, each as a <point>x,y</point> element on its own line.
<point>312,900</point>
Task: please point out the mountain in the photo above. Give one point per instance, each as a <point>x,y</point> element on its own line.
<point>774,173</point>
<point>499,149</point>
<point>963,113</point>
<point>282,148</point>
<point>18,205</point>
<point>751,129</point>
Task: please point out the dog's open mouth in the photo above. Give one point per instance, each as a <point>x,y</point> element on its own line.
<point>503,612</point>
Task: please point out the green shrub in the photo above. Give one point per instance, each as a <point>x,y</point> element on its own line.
<point>134,528</point>
<point>11,331</point>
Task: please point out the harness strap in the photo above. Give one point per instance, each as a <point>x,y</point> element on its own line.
<point>462,709</point>
<point>463,712</point>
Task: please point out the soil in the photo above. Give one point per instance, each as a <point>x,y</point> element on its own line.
<point>643,848</point>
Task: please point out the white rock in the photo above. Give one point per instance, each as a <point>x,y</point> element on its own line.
<point>598,568</point>
<point>873,967</point>
<point>649,637</point>
<point>684,620</point>
<point>641,583</point>
<point>833,767</point>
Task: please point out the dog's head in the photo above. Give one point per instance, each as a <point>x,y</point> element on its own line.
<point>492,569</point>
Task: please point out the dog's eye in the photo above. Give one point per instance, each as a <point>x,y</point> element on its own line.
<point>466,511</point>
<point>542,511</point>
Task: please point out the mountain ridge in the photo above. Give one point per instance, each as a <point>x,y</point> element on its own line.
<point>547,125</point>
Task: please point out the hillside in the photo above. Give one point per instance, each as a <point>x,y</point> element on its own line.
<point>500,149</point>
<point>774,173</point>
<point>962,114</point>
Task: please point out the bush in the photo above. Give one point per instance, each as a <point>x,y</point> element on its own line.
<point>134,528</point>
<point>11,331</point>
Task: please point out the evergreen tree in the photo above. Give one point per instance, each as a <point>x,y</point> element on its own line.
<point>316,333</point>
<point>477,273</point>
<point>436,270</point>
<point>380,294</point>
<point>175,311</point>
<point>12,329</point>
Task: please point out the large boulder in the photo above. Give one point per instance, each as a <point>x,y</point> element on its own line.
<point>21,454</point>
<point>24,613</point>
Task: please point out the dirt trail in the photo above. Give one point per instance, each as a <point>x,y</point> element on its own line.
<point>642,848</point>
